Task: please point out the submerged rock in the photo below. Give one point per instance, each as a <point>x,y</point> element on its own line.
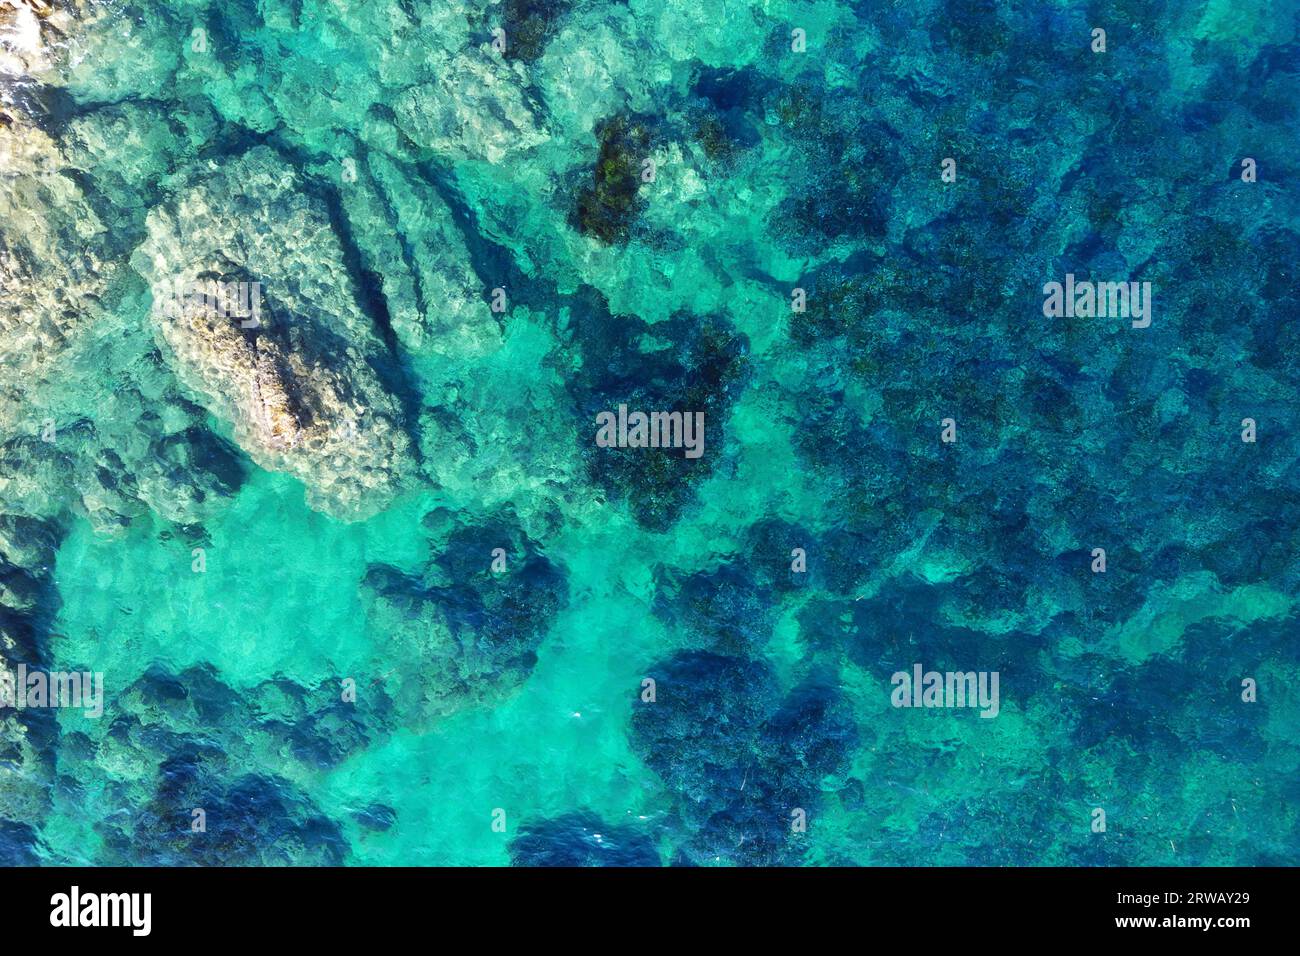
<point>465,631</point>
<point>529,26</point>
<point>249,820</point>
<point>54,263</point>
<point>608,208</point>
<point>436,304</point>
<point>255,311</point>
<point>28,737</point>
<point>474,110</point>
<point>703,370</point>
<point>261,726</point>
<point>580,839</point>
<point>741,758</point>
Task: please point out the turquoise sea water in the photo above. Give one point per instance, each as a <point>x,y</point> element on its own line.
<point>278,543</point>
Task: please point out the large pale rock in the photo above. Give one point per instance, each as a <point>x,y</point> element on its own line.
<point>299,380</point>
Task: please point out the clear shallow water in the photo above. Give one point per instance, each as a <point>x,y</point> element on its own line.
<point>381,170</point>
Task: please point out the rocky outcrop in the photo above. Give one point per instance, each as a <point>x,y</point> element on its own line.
<point>53,265</point>
<point>27,737</point>
<point>438,304</point>
<point>21,48</point>
<point>474,110</point>
<point>256,313</point>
